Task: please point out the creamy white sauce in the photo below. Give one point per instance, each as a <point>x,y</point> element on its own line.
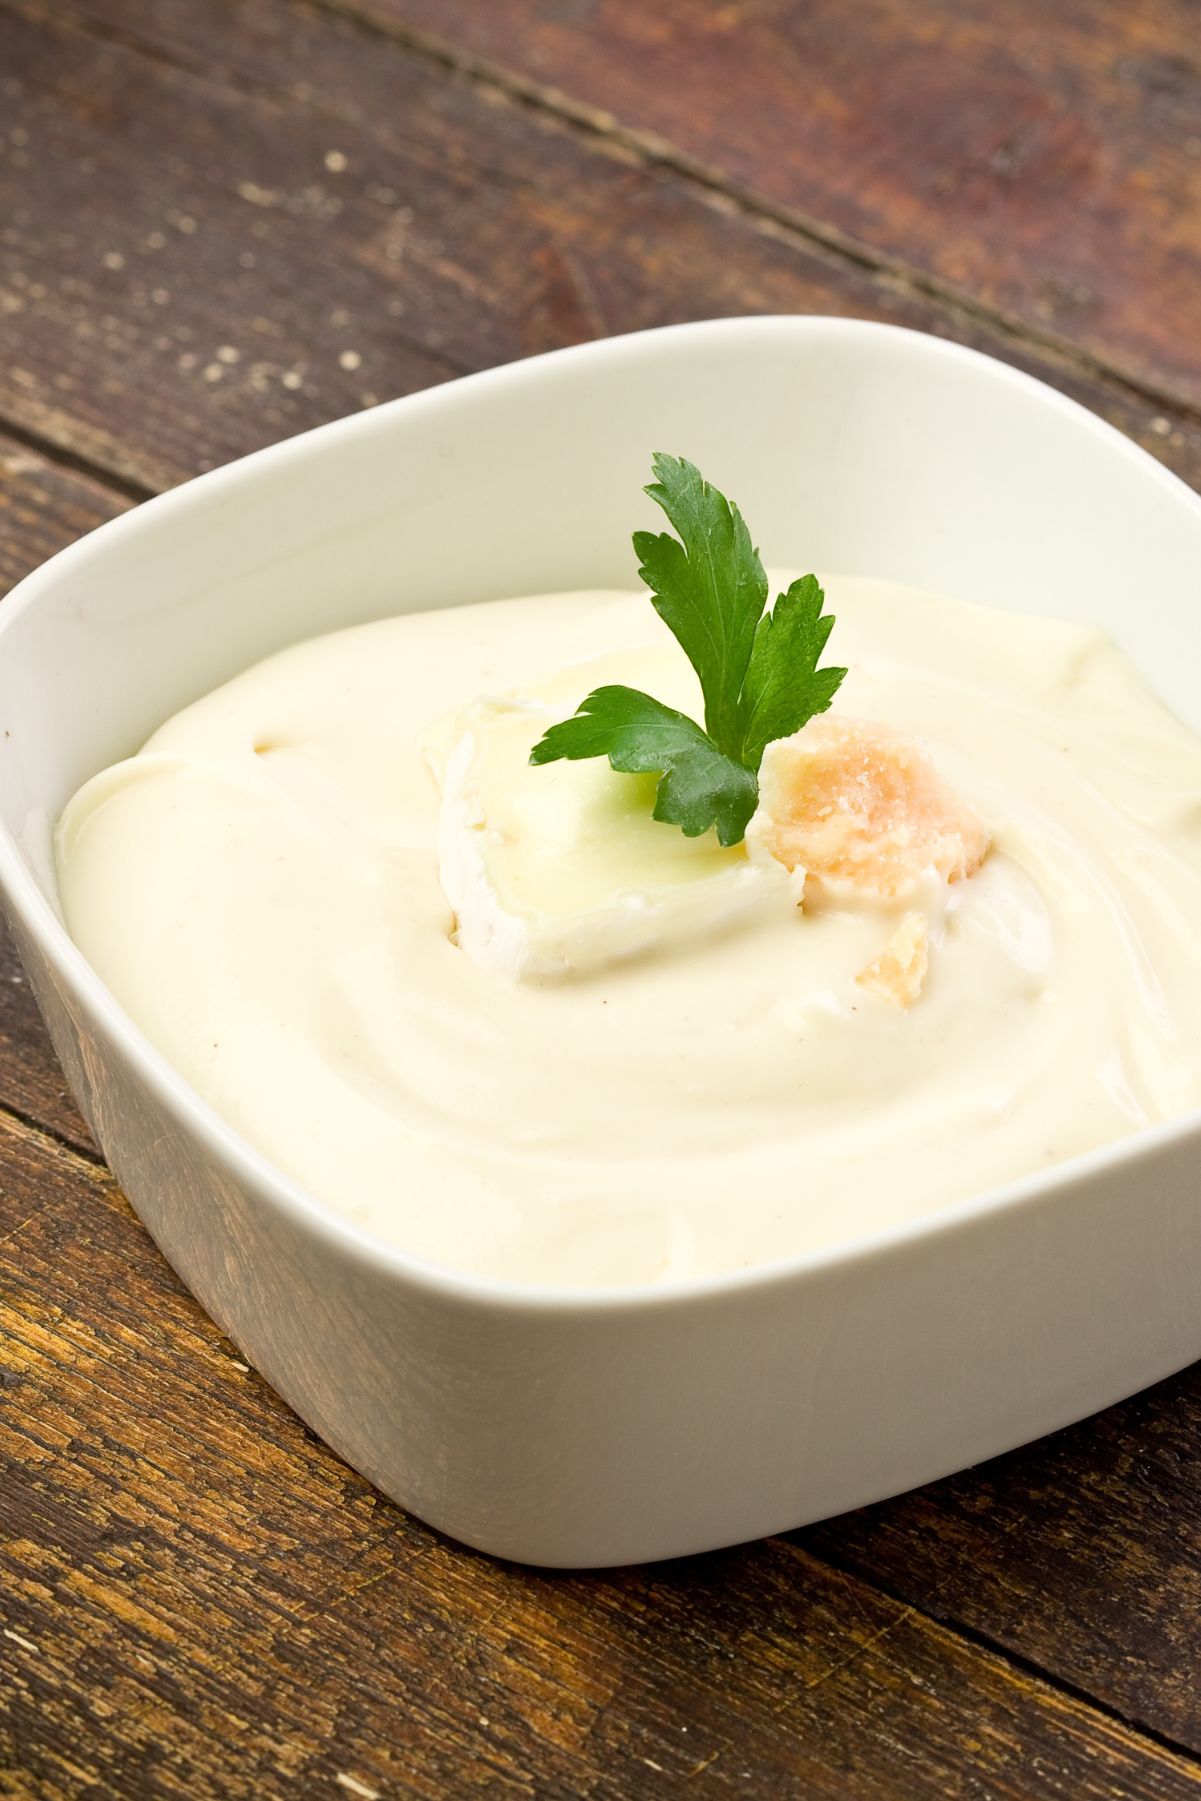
<point>259,888</point>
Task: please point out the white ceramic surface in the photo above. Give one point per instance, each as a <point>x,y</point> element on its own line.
<point>592,1428</point>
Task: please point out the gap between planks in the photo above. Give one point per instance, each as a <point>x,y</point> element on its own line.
<point>42,1129</point>
<point>61,456</point>
<point>1013,1659</point>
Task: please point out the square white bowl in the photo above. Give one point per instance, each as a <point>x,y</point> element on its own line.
<point>575,1427</point>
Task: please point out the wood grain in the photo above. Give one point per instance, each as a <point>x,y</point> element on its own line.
<point>224,222</point>
<point>198,1600</point>
<point>1081,1553</point>
<point>1043,161</point>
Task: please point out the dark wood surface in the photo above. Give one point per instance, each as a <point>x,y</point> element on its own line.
<point>222,221</point>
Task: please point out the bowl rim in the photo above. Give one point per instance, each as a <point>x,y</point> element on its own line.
<point>303,1211</point>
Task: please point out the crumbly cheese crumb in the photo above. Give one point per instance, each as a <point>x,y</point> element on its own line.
<point>897,974</point>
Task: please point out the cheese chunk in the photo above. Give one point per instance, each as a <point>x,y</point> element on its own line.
<point>863,806</point>
<point>562,869</point>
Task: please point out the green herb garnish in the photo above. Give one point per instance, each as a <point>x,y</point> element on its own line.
<point>758,671</point>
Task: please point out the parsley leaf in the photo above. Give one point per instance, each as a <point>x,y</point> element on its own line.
<point>707,586</point>
<point>758,671</point>
<point>784,686</point>
<point>700,786</point>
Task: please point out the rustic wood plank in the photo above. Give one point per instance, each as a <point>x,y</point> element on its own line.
<point>159,318</point>
<point>42,508</point>
<point>1044,161</point>
<point>31,1082</point>
<point>180,1559</point>
<point>1082,1553</point>
<point>262,217</point>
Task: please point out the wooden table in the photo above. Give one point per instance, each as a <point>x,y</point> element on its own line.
<point>222,221</point>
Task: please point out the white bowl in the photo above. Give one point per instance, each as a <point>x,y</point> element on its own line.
<point>579,1427</point>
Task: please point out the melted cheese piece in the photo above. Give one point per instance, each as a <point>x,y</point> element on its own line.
<point>260,889</point>
<point>561,870</point>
